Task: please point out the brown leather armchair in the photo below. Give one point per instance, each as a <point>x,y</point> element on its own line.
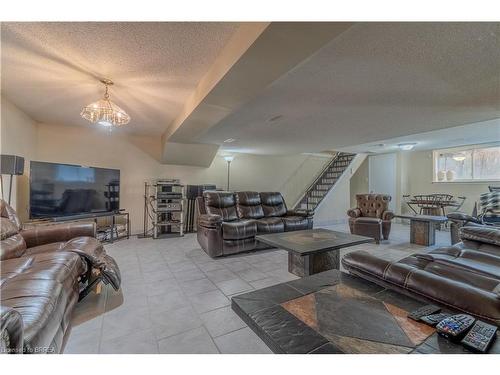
<point>228,222</point>
<point>372,217</point>
<point>44,272</point>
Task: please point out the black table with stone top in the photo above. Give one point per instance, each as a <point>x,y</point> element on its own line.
<point>335,312</point>
<point>312,251</point>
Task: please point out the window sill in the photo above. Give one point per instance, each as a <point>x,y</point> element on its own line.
<point>468,182</point>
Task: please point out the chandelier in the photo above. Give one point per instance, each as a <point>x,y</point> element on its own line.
<point>104,112</point>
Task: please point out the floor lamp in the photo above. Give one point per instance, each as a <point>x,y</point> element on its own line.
<point>229,159</point>
<point>11,165</point>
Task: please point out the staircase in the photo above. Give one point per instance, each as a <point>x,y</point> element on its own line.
<point>325,181</point>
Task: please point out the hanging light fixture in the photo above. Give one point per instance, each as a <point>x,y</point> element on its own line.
<point>459,157</point>
<point>104,112</point>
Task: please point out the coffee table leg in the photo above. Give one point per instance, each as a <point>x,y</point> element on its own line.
<point>313,263</point>
<point>298,265</point>
<point>422,232</point>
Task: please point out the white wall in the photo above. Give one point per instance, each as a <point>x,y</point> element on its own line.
<point>359,182</point>
<point>18,137</point>
<point>333,208</point>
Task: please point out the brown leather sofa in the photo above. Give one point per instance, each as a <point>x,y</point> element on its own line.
<point>44,272</point>
<point>465,276</point>
<point>372,217</point>
<point>228,222</point>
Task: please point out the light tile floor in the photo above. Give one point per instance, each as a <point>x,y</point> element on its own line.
<point>176,299</point>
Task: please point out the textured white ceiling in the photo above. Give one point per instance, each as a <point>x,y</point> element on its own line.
<point>50,70</point>
<point>375,81</point>
<point>476,133</point>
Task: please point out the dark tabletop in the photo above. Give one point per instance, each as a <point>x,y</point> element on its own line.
<point>334,312</point>
<point>310,241</point>
<point>424,217</point>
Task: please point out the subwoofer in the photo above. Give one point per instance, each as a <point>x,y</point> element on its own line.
<point>11,164</point>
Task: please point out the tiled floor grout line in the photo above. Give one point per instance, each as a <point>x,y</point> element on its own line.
<point>139,259</point>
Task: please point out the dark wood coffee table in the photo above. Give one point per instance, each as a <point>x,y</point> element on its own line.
<point>314,250</point>
<point>423,228</point>
<point>335,312</point>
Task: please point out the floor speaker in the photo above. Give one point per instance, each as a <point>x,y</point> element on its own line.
<point>11,164</point>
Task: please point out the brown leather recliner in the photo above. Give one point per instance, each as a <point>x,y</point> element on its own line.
<point>372,217</point>
<point>465,276</point>
<point>43,273</point>
<point>228,222</point>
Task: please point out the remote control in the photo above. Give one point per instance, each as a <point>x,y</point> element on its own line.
<point>434,319</point>
<point>455,327</point>
<point>480,337</point>
<point>424,311</point>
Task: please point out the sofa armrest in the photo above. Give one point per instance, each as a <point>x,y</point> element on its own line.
<point>462,218</point>
<point>387,215</point>
<point>300,212</point>
<point>11,331</point>
<point>482,234</point>
<point>210,220</point>
<point>354,212</point>
<point>44,234</point>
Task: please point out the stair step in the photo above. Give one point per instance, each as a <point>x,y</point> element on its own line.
<point>326,182</point>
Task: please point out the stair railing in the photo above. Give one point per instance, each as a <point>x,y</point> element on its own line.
<point>316,180</point>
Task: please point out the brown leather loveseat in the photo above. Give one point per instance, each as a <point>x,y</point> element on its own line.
<point>44,272</point>
<point>228,222</point>
<point>465,276</point>
<point>372,217</point>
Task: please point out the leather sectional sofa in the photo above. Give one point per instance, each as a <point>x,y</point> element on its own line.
<point>465,276</point>
<point>44,272</point>
<point>228,222</point>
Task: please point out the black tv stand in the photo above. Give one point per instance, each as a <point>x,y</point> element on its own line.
<point>85,216</point>
<point>105,232</point>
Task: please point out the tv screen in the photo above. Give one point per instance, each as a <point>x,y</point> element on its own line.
<point>58,190</point>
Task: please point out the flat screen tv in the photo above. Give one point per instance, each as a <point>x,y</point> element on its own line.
<point>63,190</point>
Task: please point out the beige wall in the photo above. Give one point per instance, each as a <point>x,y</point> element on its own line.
<point>18,137</point>
<point>333,208</point>
<point>359,182</point>
<point>294,186</point>
<point>414,176</point>
<point>136,157</point>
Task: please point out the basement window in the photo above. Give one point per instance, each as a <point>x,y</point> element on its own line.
<point>467,164</point>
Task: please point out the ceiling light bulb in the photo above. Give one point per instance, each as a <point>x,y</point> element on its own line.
<point>459,157</point>
<point>407,146</point>
<point>229,140</point>
<point>104,111</point>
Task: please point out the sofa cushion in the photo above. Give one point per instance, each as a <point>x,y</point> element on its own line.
<point>482,234</point>
<point>295,223</point>
<point>248,205</point>
<point>237,230</point>
<point>373,205</point>
<point>270,225</point>
<point>273,204</point>
<point>443,277</point>
<point>8,212</point>
<point>471,260</point>
<point>221,203</point>
<point>48,247</point>
<point>367,220</point>
<point>43,289</point>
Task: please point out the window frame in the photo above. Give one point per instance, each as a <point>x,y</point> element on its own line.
<point>472,148</point>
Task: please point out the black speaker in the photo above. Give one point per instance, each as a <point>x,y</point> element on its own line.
<point>11,164</point>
